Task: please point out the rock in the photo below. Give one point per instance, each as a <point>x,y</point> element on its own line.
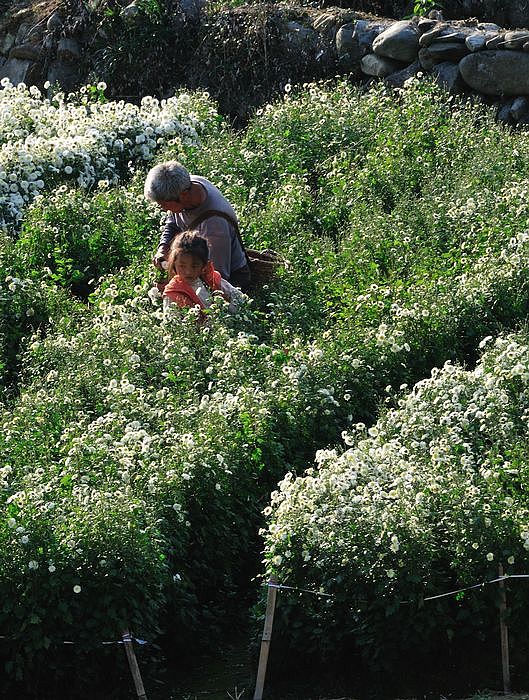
<point>324,22</point>
<point>399,78</point>
<point>516,39</point>
<point>399,42</point>
<point>504,112</point>
<point>130,12</point>
<point>23,14</point>
<point>495,41</point>
<point>355,40</point>
<point>298,35</point>
<point>379,66</point>
<point>429,37</point>
<point>519,108</point>
<point>451,51</point>
<point>489,27</point>
<point>426,60</point>
<point>425,24</point>
<point>15,70</point>
<point>453,36</point>
<point>7,44</point>
<point>64,74</point>
<point>68,50</point>
<point>496,72</point>
<point>34,75</point>
<point>475,42</point>
<point>447,75</point>
<point>23,29</point>
<point>26,52</point>
<point>435,14</point>
<point>54,22</point>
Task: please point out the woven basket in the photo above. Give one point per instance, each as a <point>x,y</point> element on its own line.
<point>263,265</point>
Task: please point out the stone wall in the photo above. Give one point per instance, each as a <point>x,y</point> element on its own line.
<point>465,56</point>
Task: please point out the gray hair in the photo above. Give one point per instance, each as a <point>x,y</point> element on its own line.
<point>166,182</point>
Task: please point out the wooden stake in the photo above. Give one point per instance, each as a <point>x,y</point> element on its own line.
<point>504,635</point>
<point>133,664</point>
<point>265,641</point>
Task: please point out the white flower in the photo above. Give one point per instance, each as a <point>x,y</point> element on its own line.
<point>33,564</point>
<point>51,568</point>
<point>77,589</point>
<point>394,546</point>
<point>490,556</point>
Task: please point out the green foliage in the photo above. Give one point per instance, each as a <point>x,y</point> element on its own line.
<point>154,441</point>
<point>427,500</point>
<point>423,7</point>
<point>79,238</point>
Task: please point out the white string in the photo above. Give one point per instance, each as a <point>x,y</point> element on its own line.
<point>281,586</point>
<point>126,638</point>
<point>476,585</point>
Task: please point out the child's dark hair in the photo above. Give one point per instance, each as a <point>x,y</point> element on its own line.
<point>189,243</point>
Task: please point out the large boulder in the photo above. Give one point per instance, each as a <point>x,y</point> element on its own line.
<point>516,39</point>
<point>68,50</point>
<point>16,69</point>
<point>355,39</point>
<point>26,52</point>
<point>401,76</point>
<point>399,42</point>
<point>475,41</point>
<point>65,74</point>
<point>379,66</point>
<point>299,36</point>
<point>447,75</point>
<point>497,72</point>
<point>431,35</point>
<point>438,52</point>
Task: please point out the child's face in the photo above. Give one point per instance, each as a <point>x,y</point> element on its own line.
<point>188,267</point>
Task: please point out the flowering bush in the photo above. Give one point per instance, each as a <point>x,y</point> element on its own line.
<point>77,238</point>
<point>151,440</point>
<point>430,498</point>
<point>84,141</point>
<point>151,443</point>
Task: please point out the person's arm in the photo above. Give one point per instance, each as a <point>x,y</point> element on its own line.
<point>232,294</point>
<point>218,234</point>
<point>169,231</point>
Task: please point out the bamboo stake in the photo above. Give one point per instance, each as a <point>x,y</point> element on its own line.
<point>504,636</point>
<point>265,640</point>
<point>133,664</point>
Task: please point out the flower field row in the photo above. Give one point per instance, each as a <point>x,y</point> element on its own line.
<point>430,498</point>
<point>138,451</point>
<point>44,142</point>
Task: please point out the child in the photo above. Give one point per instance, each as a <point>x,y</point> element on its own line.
<point>193,281</point>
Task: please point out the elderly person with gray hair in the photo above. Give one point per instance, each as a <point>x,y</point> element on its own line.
<point>192,202</point>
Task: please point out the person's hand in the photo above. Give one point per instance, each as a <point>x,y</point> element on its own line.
<point>159,260</point>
